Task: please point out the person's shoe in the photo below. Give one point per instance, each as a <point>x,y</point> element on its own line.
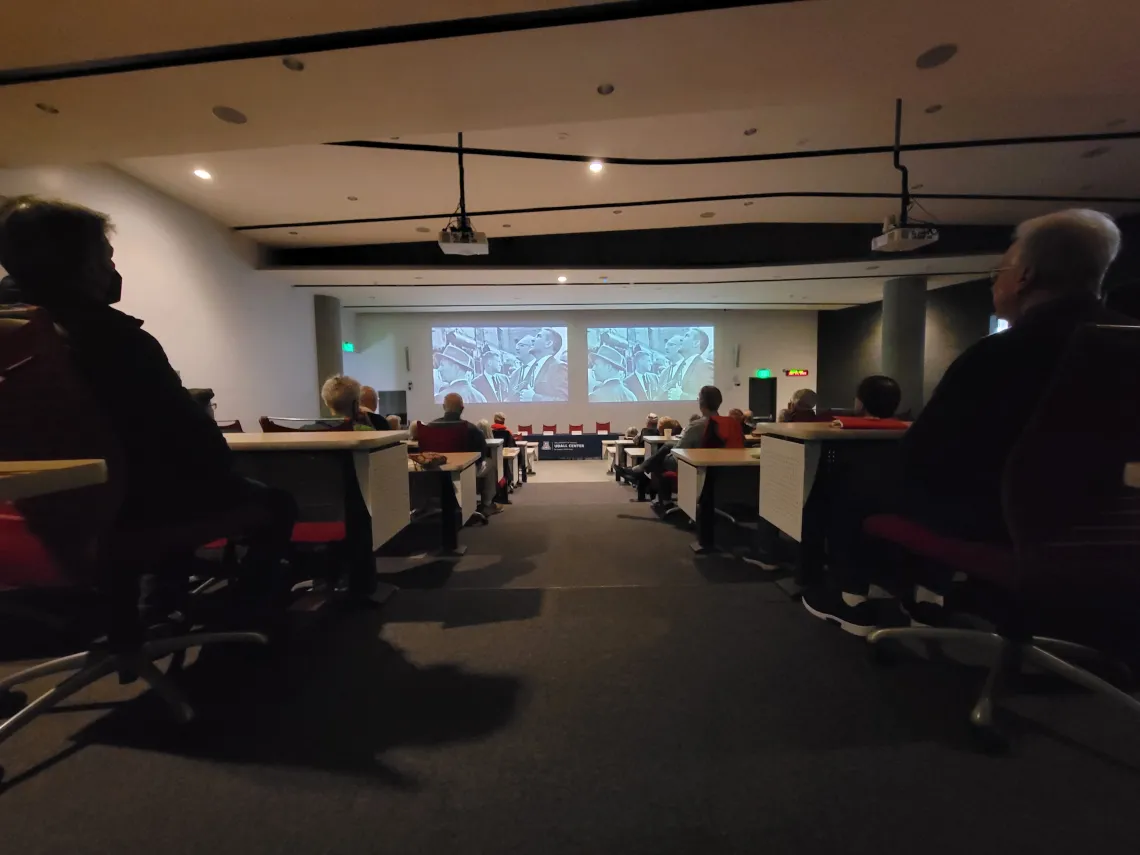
<point>762,560</point>
<point>492,510</point>
<point>849,612</point>
<point>639,469</point>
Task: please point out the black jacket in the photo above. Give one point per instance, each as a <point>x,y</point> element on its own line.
<point>953,454</point>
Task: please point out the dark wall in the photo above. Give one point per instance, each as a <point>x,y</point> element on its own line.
<point>849,344</point>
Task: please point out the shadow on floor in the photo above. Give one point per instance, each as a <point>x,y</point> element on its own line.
<point>337,702</point>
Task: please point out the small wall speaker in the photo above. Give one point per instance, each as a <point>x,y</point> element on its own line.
<point>408,358</point>
<point>736,355</point>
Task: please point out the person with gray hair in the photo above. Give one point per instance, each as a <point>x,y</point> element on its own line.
<point>341,395</point>
<point>801,408</point>
<point>1047,285</point>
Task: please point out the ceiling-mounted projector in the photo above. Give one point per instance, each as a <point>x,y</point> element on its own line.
<point>896,238</point>
<point>463,240</point>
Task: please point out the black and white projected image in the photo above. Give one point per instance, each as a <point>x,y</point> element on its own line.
<point>488,365</point>
<point>649,363</point>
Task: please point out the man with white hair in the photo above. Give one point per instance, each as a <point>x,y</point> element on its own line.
<point>341,395</point>
<point>1047,285</point>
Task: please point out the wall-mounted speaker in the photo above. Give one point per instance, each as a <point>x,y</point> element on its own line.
<point>736,356</point>
<point>408,358</point>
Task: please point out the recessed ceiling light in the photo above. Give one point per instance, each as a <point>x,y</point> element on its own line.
<point>203,174</point>
<point>617,210</point>
<point>749,132</point>
<point>230,115</point>
<point>606,89</point>
<point>393,138</point>
<point>917,186</point>
<point>873,267</point>
<point>422,229</point>
<point>707,215</point>
<point>934,108</point>
<point>506,225</point>
<point>1096,152</point>
<point>936,56</point>
<point>352,198</point>
<point>596,166</point>
<point>50,109</point>
<point>561,278</point>
<point>749,204</point>
<point>562,135</point>
<point>1115,123</point>
<point>419,277</point>
<point>293,64</point>
<point>292,233</point>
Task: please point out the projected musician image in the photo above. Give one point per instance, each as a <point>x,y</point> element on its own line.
<point>649,363</point>
<point>488,365</point>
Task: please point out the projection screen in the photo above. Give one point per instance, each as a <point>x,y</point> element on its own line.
<point>649,363</point>
<point>497,364</point>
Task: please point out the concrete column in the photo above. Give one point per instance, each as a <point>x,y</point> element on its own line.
<point>330,356</point>
<point>904,337</point>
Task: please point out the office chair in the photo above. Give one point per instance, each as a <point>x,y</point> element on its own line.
<point>576,428</point>
<point>526,429</point>
<point>443,439</point>
<point>70,540</point>
<point>231,427</point>
<point>602,427</point>
<point>1068,586</point>
<point>274,424</point>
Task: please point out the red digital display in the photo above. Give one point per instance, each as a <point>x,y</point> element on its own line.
<point>796,372</point>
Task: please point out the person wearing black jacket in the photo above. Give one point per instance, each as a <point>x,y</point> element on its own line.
<point>1047,285</point>
<point>177,465</point>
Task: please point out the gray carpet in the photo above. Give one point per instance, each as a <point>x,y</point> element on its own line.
<point>580,683</point>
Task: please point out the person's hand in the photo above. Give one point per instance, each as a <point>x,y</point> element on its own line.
<point>526,394</point>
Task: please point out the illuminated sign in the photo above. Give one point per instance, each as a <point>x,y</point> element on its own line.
<point>795,372</point>
<point>763,373</point>
<point>348,347</point>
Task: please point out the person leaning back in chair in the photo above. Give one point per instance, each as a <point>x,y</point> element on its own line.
<point>952,457</point>
<point>177,465</point>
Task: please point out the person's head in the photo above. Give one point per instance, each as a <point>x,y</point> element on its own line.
<point>878,396</point>
<point>1067,252</point>
<point>631,432</point>
<point>736,413</point>
<point>748,417</point>
<point>58,253</point>
<point>454,364</point>
<point>525,348</point>
<point>673,348</point>
<point>368,399</point>
<point>607,363</point>
<point>204,398</point>
<point>501,419</point>
<point>667,423</point>
<point>548,343</point>
<point>485,426</point>
<point>492,362</point>
<point>453,403</point>
<point>803,400</point>
<point>642,361</point>
<point>341,395</point>
<point>709,400</point>
<point>393,422</point>
<point>694,342</point>
<point>651,420</point>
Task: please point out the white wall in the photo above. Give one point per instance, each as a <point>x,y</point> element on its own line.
<point>223,324</point>
<point>767,339</point>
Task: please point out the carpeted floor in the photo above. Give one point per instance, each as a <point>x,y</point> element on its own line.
<point>578,683</point>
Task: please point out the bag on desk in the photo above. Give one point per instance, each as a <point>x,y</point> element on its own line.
<point>427,460</point>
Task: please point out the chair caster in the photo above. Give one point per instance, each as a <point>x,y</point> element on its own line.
<point>989,739</point>
<point>11,702</point>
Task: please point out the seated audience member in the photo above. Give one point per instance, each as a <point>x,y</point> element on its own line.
<point>695,417</point>
<point>484,426</point>
<point>876,401</point>
<point>500,422</point>
<point>952,457</point>
<point>650,429</point>
<point>368,404</point>
<point>204,398</point>
<point>631,432</point>
<point>738,414</point>
<point>709,400</point>
<point>341,395</point>
<point>801,408</point>
<point>476,441</point>
<point>61,258</point>
<point>393,422</point>
<point>413,430</point>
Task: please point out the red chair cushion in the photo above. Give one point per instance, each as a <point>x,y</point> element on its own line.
<point>318,532</point>
<point>575,427</point>
<point>220,543</point>
<point>24,561</point>
<point>602,427</point>
<point>860,423</point>
<point>723,432</point>
<point>526,429</point>
<point>987,561</point>
<point>551,428</point>
<point>442,438</point>
<point>669,475</point>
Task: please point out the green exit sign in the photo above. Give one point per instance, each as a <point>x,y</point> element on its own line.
<point>348,347</point>
<point>763,373</point>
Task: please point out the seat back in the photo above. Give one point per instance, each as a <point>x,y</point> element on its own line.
<point>37,371</point>
<point>602,427</point>
<point>575,428</point>
<point>443,438</point>
<point>280,425</point>
<point>528,429</point>
<point>505,435</point>
<point>551,428</point>
<point>1075,527</point>
<point>723,432</point>
<point>231,427</point>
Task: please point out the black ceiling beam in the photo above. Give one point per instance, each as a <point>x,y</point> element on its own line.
<point>976,197</point>
<point>736,245</point>
<point>947,145</point>
<point>512,22</point>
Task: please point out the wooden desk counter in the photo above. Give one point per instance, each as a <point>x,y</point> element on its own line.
<point>717,456</point>
<point>23,479</point>
<point>1132,475</point>
<point>316,440</point>
<point>821,431</point>
<point>457,461</point>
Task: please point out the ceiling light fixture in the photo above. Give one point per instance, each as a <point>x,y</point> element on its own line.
<point>934,108</point>
<point>936,56</point>
<point>50,109</point>
<point>917,186</point>
<point>749,204</point>
<point>229,115</point>
<point>562,135</point>
<point>293,64</point>
<point>617,211</point>
<point>748,132</point>
<point>393,138</point>
<point>352,198</point>
<point>422,229</point>
<point>292,233</point>
<point>707,215</point>
<point>1096,152</point>
<point>561,278</point>
<point>506,225</point>
<point>203,174</point>
<point>606,89</point>
<point>596,166</point>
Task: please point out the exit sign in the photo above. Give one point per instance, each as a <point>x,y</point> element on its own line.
<point>763,373</point>
<point>795,372</point>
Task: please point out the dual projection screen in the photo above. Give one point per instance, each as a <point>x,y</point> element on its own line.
<point>524,364</point>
